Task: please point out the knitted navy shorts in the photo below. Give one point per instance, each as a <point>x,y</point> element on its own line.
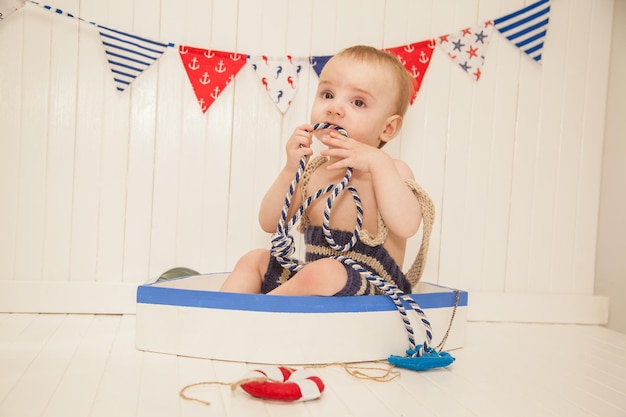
<point>375,259</point>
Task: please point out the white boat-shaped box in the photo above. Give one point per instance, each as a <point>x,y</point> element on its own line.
<point>189,317</point>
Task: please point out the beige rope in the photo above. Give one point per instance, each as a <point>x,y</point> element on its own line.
<point>428,219</point>
<point>389,373</point>
<point>233,386</point>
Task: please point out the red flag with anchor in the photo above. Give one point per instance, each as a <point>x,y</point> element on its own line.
<point>210,71</point>
<point>415,57</point>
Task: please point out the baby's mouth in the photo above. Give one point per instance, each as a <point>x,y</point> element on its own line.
<point>325,125</point>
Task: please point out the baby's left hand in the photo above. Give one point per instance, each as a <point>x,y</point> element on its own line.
<point>349,152</point>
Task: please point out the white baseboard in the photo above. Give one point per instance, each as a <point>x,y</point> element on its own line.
<point>67,297</point>
<point>538,308</point>
<point>120,298</point>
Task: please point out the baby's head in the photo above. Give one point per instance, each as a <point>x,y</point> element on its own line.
<point>366,91</point>
<point>404,83</point>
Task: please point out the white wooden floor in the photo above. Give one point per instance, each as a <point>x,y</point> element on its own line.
<point>86,365</point>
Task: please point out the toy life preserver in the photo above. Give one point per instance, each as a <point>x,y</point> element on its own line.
<point>283,384</point>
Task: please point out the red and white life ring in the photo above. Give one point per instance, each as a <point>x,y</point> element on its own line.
<point>283,384</point>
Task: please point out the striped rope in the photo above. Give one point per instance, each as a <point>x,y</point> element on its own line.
<point>283,245</point>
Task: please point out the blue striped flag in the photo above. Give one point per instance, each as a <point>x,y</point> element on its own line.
<point>129,55</point>
<point>527,27</point>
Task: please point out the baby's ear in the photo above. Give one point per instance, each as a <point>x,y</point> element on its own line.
<point>392,127</point>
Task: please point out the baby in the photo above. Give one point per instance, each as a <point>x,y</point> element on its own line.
<point>365,91</point>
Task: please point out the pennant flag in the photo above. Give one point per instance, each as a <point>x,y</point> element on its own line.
<point>527,28</point>
<point>319,62</point>
<point>468,47</point>
<point>279,77</point>
<point>416,59</point>
<point>129,55</point>
<point>210,71</point>
<point>7,7</point>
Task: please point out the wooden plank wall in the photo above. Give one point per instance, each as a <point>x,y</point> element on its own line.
<point>102,189</point>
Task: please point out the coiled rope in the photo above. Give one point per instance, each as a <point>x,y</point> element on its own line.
<point>283,246</point>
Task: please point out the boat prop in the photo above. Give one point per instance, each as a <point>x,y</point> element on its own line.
<point>419,357</point>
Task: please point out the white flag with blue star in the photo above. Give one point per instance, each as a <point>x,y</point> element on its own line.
<point>468,47</point>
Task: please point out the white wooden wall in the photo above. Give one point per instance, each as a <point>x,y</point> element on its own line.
<point>101,191</point>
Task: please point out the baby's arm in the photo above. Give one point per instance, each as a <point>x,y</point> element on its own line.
<point>298,145</point>
<point>396,202</point>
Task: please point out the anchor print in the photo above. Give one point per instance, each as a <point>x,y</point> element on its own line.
<point>218,69</point>
<point>416,59</point>
<point>205,79</point>
<point>194,65</point>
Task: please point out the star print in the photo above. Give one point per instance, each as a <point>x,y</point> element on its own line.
<point>466,67</point>
<point>477,74</point>
<point>467,31</point>
<point>480,37</point>
<point>443,38</point>
<point>472,52</point>
<point>458,45</point>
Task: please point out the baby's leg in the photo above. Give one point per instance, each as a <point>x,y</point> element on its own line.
<point>248,273</point>
<point>325,276</point>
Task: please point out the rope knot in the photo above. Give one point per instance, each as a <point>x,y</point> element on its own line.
<point>283,245</point>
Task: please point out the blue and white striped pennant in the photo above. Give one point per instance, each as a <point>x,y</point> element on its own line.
<point>527,27</point>
<point>129,55</point>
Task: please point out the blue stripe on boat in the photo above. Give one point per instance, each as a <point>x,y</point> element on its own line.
<point>152,294</point>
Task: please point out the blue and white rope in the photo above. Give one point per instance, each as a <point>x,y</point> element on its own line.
<point>283,244</point>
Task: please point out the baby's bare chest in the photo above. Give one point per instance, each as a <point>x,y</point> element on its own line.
<point>343,210</point>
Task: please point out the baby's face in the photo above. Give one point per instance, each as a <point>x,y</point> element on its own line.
<point>358,96</point>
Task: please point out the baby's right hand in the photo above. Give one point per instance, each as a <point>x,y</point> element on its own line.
<point>299,145</point>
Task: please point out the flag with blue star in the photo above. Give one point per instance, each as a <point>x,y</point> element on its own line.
<point>468,47</point>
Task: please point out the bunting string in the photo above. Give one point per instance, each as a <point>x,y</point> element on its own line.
<point>210,71</point>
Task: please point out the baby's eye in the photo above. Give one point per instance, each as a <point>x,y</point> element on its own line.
<point>327,95</point>
<point>359,103</point>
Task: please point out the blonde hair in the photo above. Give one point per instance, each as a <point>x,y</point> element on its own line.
<point>404,82</point>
